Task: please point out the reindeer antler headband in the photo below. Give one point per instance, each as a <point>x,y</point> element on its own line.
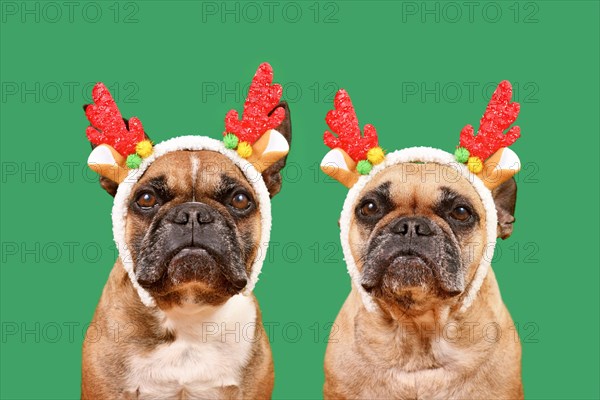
<point>486,153</point>
<point>483,159</point>
<point>122,145</point>
<point>123,152</point>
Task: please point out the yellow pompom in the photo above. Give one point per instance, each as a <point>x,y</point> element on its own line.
<point>375,155</point>
<point>475,165</point>
<point>144,148</point>
<point>244,149</point>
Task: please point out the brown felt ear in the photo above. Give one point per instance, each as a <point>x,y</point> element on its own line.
<point>505,198</point>
<point>110,172</point>
<point>272,175</point>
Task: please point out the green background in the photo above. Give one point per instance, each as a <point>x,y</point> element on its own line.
<point>409,66</point>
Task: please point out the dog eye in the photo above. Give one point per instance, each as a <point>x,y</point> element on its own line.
<point>146,200</point>
<point>461,213</point>
<point>368,208</point>
<point>240,201</point>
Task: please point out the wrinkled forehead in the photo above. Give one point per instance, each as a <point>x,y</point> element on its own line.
<point>204,170</point>
<point>405,181</point>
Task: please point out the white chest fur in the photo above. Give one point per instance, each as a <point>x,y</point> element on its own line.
<point>211,348</point>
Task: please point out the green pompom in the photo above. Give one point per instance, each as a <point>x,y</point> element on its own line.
<point>462,155</point>
<point>364,167</point>
<point>230,140</point>
<point>133,161</point>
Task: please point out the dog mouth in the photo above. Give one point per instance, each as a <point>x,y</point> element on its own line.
<point>190,251</point>
<point>400,270</point>
<point>196,257</point>
<point>412,259</point>
<point>409,278</point>
<point>194,263</point>
<point>413,262</point>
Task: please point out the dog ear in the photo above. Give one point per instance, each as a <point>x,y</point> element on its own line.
<point>109,185</point>
<point>505,198</point>
<point>272,175</point>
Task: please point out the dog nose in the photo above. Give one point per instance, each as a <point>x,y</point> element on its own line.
<point>192,212</point>
<point>412,226</point>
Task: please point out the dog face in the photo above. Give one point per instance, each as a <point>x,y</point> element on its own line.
<point>418,234</point>
<point>193,225</point>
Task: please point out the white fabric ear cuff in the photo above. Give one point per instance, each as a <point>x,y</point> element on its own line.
<point>122,199</point>
<point>426,155</point>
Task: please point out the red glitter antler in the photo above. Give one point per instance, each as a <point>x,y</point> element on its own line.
<point>262,98</point>
<point>344,123</point>
<point>499,115</point>
<point>107,125</point>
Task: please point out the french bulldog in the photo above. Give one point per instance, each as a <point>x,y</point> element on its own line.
<point>417,239</point>
<point>193,227</point>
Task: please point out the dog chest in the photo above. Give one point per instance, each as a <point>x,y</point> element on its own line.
<point>209,353</point>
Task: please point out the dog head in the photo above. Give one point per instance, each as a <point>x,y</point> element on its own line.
<point>419,226</point>
<point>191,215</point>
<point>193,224</point>
<point>418,234</point>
